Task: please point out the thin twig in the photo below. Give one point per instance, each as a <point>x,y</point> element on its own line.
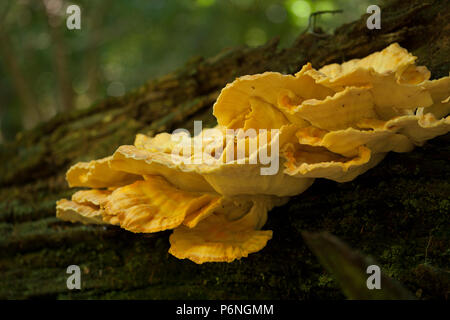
<point>312,21</point>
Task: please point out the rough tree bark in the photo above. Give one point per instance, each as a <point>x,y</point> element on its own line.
<point>397,213</point>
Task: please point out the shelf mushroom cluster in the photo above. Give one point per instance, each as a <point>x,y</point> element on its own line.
<point>335,123</point>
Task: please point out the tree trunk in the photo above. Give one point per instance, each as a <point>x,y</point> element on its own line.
<point>397,212</point>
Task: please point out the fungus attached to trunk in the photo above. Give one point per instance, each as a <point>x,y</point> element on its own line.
<point>334,123</point>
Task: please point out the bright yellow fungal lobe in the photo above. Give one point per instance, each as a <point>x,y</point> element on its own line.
<point>263,116</point>
<point>217,240</point>
<point>439,91</point>
<point>341,111</point>
<point>155,205</point>
<point>414,75</point>
<point>143,162</point>
<point>383,72</point>
<point>346,142</point>
<point>97,174</point>
<point>94,197</point>
<point>75,212</point>
<point>220,238</point>
<point>334,123</point>
<point>317,162</point>
<point>234,101</point>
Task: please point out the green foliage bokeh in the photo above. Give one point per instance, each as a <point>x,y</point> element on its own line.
<point>122,44</point>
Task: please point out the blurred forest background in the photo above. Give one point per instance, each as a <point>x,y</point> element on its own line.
<point>47,69</point>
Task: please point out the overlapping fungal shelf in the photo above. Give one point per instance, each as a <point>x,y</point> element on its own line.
<point>334,123</point>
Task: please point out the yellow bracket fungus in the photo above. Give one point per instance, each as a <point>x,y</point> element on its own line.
<point>335,123</point>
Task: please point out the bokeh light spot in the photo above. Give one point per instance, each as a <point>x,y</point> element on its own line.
<point>205,3</point>
<point>83,101</point>
<point>113,71</point>
<point>323,6</point>
<point>301,8</point>
<point>255,37</point>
